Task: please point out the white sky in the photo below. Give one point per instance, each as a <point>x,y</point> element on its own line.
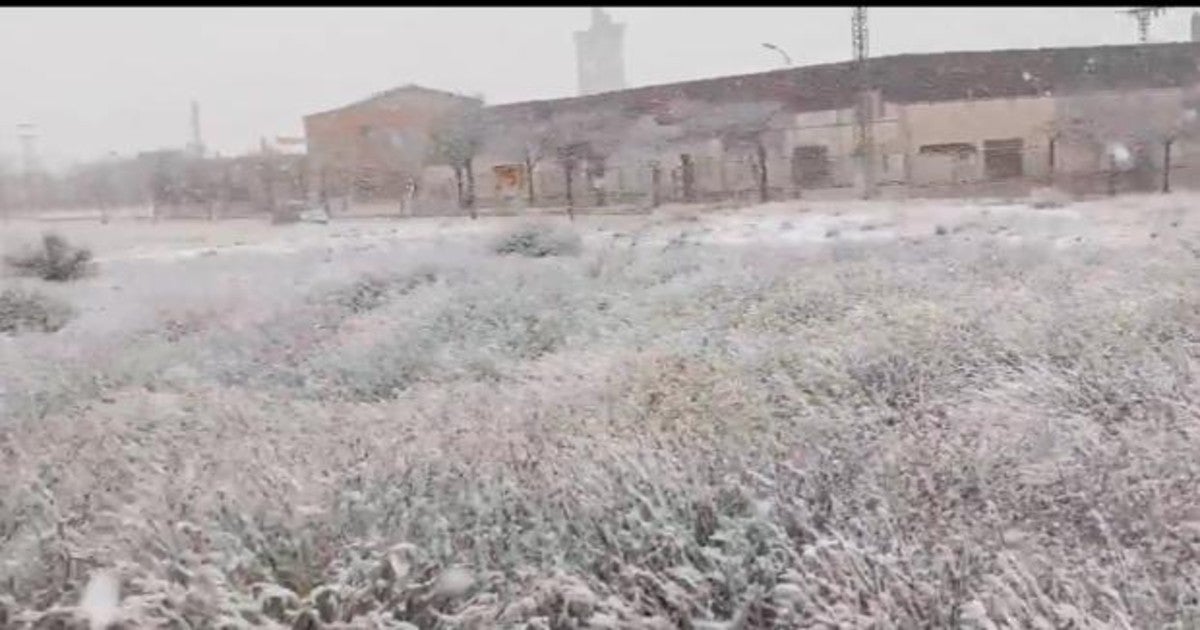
<point>95,80</point>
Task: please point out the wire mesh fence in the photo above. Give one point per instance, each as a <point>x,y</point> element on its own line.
<point>247,187</point>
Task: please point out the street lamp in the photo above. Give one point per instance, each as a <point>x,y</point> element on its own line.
<point>787,60</point>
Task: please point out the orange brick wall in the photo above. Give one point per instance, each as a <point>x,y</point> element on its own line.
<point>339,151</point>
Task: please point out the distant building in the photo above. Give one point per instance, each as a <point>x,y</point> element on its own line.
<point>1196,26</point>
<point>370,149</point>
<point>600,55</point>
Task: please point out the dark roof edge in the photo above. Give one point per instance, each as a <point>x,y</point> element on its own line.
<point>408,87</point>
<point>571,100</point>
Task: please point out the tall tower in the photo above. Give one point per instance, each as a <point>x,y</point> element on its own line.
<point>197,145</point>
<point>27,132</point>
<point>1195,26</point>
<point>600,55</point>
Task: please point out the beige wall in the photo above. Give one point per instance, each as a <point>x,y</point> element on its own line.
<point>1141,120</point>
<point>899,131</point>
<point>973,122</point>
<point>835,129</point>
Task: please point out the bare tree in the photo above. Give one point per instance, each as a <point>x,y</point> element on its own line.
<point>587,138</point>
<point>648,139</point>
<point>455,140</point>
<point>1118,130</point>
<point>531,142</point>
<point>739,126</point>
<point>402,156</point>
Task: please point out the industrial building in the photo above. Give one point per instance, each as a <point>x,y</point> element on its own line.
<point>1087,119</point>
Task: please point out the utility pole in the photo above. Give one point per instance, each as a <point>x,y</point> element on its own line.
<point>27,132</point>
<point>1143,15</point>
<point>863,114</point>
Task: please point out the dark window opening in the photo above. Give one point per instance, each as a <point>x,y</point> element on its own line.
<point>1002,158</point>
<point>957,149</point>
<point>810,165</point>
<point>688,175</point>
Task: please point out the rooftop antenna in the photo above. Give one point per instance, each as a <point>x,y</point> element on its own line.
<point>862,130</point>
<point>1143,15</point>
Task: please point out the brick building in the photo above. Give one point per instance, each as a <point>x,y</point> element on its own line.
<point>372,149</point>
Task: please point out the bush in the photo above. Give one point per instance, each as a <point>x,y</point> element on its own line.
<point>22,311</point>
<point>539,241</point>
<point>372,291</point>
<point>56,261</point>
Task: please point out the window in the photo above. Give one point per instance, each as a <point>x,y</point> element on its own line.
<point>954,149</point>
<point>810,165</point>
<point>509,177</point>
<point>1002,158</point>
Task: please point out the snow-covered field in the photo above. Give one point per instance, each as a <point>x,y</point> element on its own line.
<point>799,414</point>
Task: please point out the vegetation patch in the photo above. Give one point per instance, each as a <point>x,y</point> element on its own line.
<point>539,241</point>
<point>55,261</point>
<point>25,311</point>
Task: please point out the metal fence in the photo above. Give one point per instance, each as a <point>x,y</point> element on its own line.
<point>1005,169</point>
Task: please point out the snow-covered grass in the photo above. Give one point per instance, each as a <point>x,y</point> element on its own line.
<point>705,419</point>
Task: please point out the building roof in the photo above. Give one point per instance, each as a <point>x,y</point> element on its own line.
<point>409,88</point>
<point>912,78</point>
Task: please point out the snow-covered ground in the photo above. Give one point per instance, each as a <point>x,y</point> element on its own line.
<point>831,413</point>
<point>792,221</point>
<point>151,268</point>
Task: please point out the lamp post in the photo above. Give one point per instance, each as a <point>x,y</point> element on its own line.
<point>787,60</point>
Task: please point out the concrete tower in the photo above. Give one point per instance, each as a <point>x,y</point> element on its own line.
<point>197,144</point>
<point>600,55</point>
<point>1195,26</point>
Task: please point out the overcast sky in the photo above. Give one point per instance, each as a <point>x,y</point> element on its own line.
<point>95,80</point>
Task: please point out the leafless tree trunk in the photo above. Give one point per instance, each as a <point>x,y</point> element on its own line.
<point>689,178</point>
<point>1050,158</point>
<point>458,186</point>
<point>655,184</point>
<point>469,169</point>
<point>569,172</point>
<point>1166,178</point>
<point>764,192</point>
<point>529,180</point>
